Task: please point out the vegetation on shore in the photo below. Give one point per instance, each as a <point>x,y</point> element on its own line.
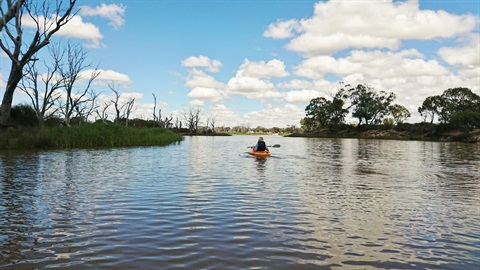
<point>457,111</point>
<point>86,136</point>
<point>419,132</point>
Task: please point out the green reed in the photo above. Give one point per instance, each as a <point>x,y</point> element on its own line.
<point>86,136</point>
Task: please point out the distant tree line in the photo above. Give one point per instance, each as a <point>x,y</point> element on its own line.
<point>456,107</point>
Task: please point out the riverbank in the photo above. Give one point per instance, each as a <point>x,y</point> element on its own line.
<point>392,134</point>
<point>86,136</point>
<point>205,134</point>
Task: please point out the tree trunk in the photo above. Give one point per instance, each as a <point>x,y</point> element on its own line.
<point>6,107</point>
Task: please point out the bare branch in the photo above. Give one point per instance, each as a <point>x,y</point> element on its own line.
<point>18,50</point>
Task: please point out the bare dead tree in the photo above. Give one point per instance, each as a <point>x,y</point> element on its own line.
<point>85,109</point>
<point>189,119</point>
<point>116,103</point>
<point>12,9</point>
<point>128,107</point>
<point>207,125</point>
<point>155,119</point>
<point>192,119</point>
<point>168,122</point>
<point>197,117</point>
<point>212,123</point>
<point>122,110</point>
<point>178,123</point>
<point>101,111</point>
<point>42,89</point>
<point>48,21</point>
<point>77,98</point>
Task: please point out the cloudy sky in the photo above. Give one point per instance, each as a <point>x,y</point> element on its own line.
<point>259,63</point>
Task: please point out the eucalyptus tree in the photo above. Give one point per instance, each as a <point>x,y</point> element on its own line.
<point>458,100</point>
<point>453,105</point>
<point>369,106</point>
<point>323,112</point>
<point>430,108</point>
<point>47,17</point>
<point>399,113</point>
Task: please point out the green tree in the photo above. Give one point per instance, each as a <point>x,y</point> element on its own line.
<point>459,107</point>
<point>368,105</point>
<point>388,121</point>
<point>466,120</point>
<point>430,108</point>
<point>399,113</point>
<point>317,111</point>
<point>457,100</point>
<point>306,124</point>
<point>322,113</point>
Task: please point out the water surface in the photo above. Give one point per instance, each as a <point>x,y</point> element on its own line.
<point>206,204</point>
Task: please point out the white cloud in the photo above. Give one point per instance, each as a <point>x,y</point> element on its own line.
<point>202,61</point>
<point>282,29</point>
<point>75,28</point>
<point>203,87</point>
<point>112,12</point>
<point>224,116</point>
<point>368,24</point>
<point>273,68</point>
<point>198,78</point>
<point>205,94</point>
<point>196,102</point>
<point>108,76</point>
<point>295,84</point>
<point>466,55</point>
<point>302,96</point>
<point>250,81</point>
<point>252,88</point>
<point>374,64</point>
<point>279,116</point>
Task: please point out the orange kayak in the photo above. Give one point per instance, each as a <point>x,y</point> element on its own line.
<point>259,153</point>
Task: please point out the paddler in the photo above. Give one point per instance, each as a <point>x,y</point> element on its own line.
<point>261,145</point>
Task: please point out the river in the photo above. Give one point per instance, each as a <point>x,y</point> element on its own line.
<point>204,203</point>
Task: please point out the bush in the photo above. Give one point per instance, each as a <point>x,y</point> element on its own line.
<point>466,120</point>
<point>24,116</point>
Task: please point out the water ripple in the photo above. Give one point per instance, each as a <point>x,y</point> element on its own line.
<point>350,204</point>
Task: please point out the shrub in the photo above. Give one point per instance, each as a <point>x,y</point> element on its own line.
<point>24,116</point>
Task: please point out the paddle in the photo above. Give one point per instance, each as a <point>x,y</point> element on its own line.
<point>274,146</point>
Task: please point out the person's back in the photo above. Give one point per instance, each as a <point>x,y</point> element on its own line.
<point>261,145</point>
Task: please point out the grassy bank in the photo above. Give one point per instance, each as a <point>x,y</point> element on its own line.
<point>86,136</point>
<point>392,134</point>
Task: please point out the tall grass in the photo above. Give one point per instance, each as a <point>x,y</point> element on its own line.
<point>86,136</point>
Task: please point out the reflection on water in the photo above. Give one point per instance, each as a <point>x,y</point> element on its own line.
<point>315,203</point>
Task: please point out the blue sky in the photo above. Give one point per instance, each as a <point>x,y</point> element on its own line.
<point>259,63</point>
